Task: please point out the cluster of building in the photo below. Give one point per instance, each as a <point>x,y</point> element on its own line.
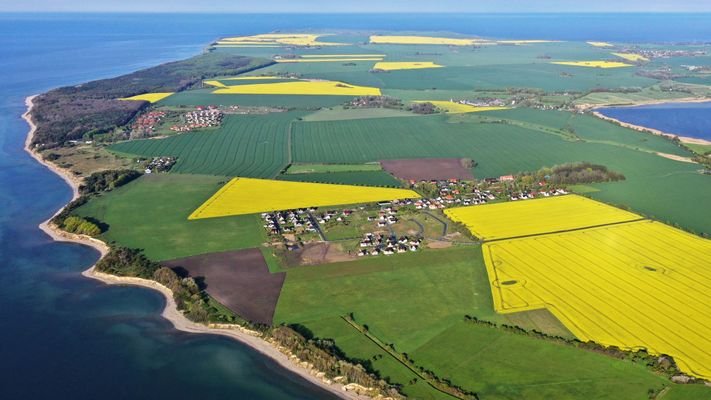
<point>376,244</point>
<point>484,102</point>
<point>160,164</point>
<point>145,124</point>
<point>386,216</point>
<point>333,215</point>
<point>697,68</point>
<point>200,118</point>
<point>290,221</point>
<point>454,192</point>
<point>661,53</point>
<point>530,194</point>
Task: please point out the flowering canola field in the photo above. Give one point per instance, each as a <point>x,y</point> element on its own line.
<point>532,217</point>
<point>276,39</point>
<point>149,97</point>
<point>249,196</point>
<point>451,107</point>
<point>634,285</point>
<point>594,64</point>
<point>395,65</point>
<point>631,57</point>
<point>302,88</point>
<point>601,44</point>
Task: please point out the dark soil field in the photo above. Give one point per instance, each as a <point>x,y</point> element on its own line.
<point>425,169</point>
<point>240,280</point>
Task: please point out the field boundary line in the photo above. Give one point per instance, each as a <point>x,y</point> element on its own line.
<point>566,230</point>
<point>397,357</point>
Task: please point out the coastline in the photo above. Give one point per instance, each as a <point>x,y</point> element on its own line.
<point>639,128</point>
<point>170,312</point>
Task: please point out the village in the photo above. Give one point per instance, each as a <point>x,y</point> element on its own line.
<point>400,226</point>
<point>202,117</point>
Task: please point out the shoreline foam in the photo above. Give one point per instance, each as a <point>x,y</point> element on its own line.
<point>170,312</point>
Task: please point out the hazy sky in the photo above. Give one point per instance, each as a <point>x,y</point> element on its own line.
<point>275,6</point>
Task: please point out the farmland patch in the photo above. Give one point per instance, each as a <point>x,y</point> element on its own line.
<point>239,280</point>
<point>425,169</point>
<point>531,217</point>
<point>249,196</point>
<point>634,285</point>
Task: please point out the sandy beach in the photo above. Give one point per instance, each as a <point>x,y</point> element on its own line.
<point>252,339</point>
<point>683,139</point>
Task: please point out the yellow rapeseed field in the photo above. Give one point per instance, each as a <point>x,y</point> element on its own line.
<point>391,66</point>
<point>214,83</point>
<point>252,78</point>
<point>150,97</point>
<point>250,196</point>
<point>289,39</point>
<point>451,107</point>
<point>302,87</point>
<point>601,44</point>
<point>594,64</point>
<point>631,56</point>
<point>531,217</point>
<point>633,285</point>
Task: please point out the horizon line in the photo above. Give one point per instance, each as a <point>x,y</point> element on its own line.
<point>347,12</point>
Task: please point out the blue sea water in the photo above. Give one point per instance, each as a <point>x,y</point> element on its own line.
<point>64,336</point>
<point>683,119</point>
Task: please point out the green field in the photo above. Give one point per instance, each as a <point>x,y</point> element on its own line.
<point>323,168</point>
<point>510,141</point>
<point>365,178</point>
<point>503,365</point>
<point>437,288</point>
<point>151,213</point>
<point>530,140</point>
<point>340,113</point>
<point>245,145</point>
<point>205,97</point>
<point>440,286</point>
<point>699,148</point>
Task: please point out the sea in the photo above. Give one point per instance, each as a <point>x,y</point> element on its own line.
<point>683,119</point>
<point>65,336</point>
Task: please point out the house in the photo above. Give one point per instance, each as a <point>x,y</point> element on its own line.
<point>506,178</point>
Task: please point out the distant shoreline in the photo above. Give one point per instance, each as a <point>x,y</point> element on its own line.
<point>171,312</point>
<point>640,128</point>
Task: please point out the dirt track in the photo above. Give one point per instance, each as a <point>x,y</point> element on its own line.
<point>240,280</point>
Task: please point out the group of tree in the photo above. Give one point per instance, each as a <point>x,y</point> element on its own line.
<point>423,108</point>
<point>80,226</point>
<point>571,174</point>
<point>104,181</point>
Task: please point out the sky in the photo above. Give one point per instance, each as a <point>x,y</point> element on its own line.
<point>350,6</point>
